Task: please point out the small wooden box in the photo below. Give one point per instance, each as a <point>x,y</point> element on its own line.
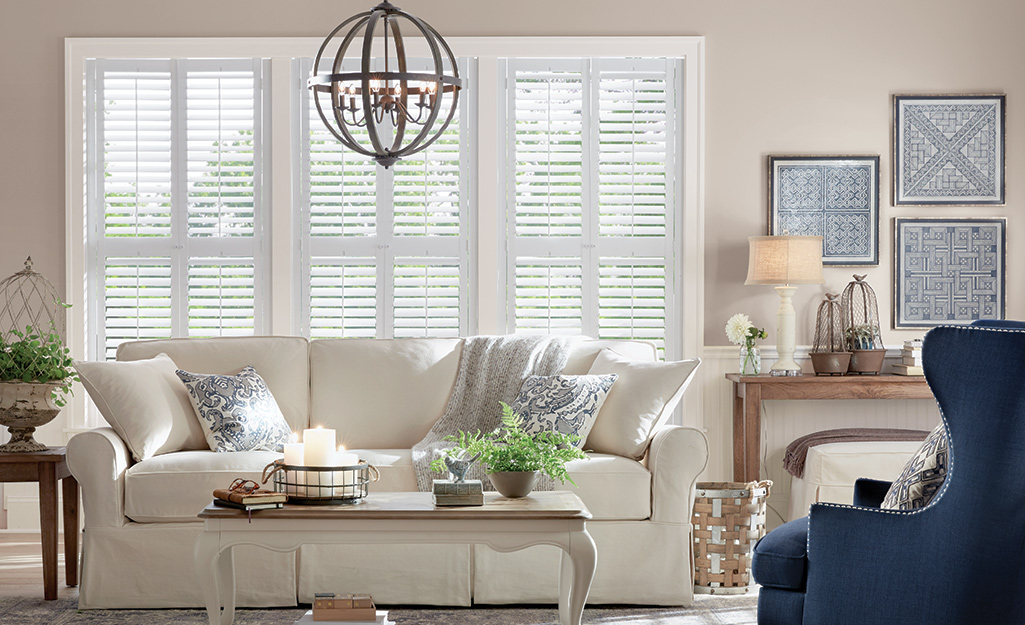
<point>449,493</point>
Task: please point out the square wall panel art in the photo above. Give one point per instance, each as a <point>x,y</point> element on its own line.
<point>948,271</point>
<point>948,150</point>
<point>835,197</point>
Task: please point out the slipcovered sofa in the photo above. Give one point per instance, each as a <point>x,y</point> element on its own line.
<point>382,396</point>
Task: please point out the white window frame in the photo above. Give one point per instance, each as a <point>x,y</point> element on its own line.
<point>283,307</point>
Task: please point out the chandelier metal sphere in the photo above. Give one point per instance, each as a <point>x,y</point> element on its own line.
<point>402,111</point>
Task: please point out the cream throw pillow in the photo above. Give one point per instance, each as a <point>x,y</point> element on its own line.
<point>641,399</point>
<point>145,403</point>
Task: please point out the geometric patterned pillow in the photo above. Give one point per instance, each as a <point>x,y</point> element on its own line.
<point>922,476</point>
<point>238,412</point>
<point>562,403</point>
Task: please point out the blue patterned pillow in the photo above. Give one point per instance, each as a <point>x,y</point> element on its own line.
<point>563,403</point>
<point>237,412</point>
<point>922,476</point>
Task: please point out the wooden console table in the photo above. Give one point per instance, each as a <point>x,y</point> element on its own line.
<point>750,390</point>
<point>46,467</point>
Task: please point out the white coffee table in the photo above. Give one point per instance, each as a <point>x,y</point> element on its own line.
<point>544,518</point>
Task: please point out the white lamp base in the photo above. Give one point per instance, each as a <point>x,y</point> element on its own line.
<point>786,334</point>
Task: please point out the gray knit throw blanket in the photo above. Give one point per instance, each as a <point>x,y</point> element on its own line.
<point>491,369</point>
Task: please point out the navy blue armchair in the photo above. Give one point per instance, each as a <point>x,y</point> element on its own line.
<point>961,558</point>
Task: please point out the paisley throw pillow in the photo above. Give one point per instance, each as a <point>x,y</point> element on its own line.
<point>238,412</point>
<point>563,403</point>
<point>922,476</point>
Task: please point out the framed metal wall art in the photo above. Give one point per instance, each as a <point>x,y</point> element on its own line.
<point>835,197</point>
<point>948,150</point>
<point>948,271</point>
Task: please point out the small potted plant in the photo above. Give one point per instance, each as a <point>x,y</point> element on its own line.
<point>862,341</point>
<point>513,458</point>
<point>35,380</point>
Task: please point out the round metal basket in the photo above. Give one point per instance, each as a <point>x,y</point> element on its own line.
<point>321,485</point>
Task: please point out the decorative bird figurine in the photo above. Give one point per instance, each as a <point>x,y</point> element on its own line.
<point>457,467</point>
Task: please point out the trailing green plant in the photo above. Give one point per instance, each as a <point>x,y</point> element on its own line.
<point>509,448</point>
<point>38,357</point>
<point>861,336</point>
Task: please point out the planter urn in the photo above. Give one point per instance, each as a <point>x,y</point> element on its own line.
<point>24,406</point>
<point>514,484</point>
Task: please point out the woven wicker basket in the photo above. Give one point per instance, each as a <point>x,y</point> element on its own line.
<point>729,518</point>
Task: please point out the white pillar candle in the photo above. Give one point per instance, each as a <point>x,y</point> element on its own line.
<point>345,479</point>
<point>318,447</point>
<point>294,454</point>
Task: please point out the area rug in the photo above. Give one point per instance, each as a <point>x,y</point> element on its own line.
<point>710,610</point>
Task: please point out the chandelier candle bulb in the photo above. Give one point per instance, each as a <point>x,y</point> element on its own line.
<point>318,447</point>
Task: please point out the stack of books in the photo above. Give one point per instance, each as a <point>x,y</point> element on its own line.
<point>466,493</point>
<point>910,359</point>
<point>255,500</point>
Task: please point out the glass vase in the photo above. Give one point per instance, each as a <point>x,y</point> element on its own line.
<point>750,360</point>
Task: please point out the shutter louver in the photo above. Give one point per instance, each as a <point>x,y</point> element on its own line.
<point>426,299</point>
<point>632,299</point>
<point>343,298</point>
<point>137,301</point>
<point>632,153</point>
<point>136,168</point>
<point>548,296</point>
<point>549,152</point>
<point>221,297</point>
<point>221,152</point>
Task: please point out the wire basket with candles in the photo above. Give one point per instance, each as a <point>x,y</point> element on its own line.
<point>313,472</point>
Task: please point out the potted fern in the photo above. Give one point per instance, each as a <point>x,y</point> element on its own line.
<point>35,380</point>
<point>513,458</point>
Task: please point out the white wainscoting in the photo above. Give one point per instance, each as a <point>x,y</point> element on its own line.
<point>783,421</point>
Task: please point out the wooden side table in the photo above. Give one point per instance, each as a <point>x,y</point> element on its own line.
<point>46,467</point>
<point>750,390</point>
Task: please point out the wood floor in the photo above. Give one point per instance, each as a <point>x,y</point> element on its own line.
<point>21,567</point>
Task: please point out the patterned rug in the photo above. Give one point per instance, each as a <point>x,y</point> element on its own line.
<point>710,610</point>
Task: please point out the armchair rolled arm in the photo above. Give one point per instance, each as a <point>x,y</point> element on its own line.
<point>98,459</point>
<point>676,457</point>
<point>870,493</point>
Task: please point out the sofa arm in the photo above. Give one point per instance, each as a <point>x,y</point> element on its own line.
<point>676,457</point>
<point>98,459</point>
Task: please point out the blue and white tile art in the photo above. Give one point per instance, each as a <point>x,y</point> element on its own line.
<point>835,197</point>
<point>948,150</point>
<point>948,271</point>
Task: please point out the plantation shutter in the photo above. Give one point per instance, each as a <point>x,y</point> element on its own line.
<point>173,201</point>
<point>590,197</point>
<point>387,250</point>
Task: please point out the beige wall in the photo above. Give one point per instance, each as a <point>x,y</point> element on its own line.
<point>797,76</point>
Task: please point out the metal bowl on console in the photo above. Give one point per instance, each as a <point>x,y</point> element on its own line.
<point>867,361</point>
<point>322,485</point>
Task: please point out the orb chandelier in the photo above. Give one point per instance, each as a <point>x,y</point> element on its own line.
<point>401,111</point>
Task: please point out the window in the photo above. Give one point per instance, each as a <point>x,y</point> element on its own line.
<point>386,250</point>
<point>590,165</point>
<point>206,198</point>
<point>174,204</point>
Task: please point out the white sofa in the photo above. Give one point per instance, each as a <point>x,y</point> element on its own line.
<point>382,396</point>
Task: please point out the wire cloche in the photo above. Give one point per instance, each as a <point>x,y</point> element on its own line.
<point>400,111</point>
<point>861,326</point>
<point>829,355</point>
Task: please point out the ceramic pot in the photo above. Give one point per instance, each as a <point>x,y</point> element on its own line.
<point>830,363</point>
<point>24,406</point>
<point>866,360</point>
<point>514,484</point>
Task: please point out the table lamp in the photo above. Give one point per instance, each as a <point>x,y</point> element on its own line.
<point>783,262</point>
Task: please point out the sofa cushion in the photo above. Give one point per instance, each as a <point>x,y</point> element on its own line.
<point>381,393</point>
<point>584,351</point>
<point>562,403</point>
<point>145,403</point>
<point>922,476</point>
<point>237,412</point>
<point>283,362</point>
<point>613,488</point>
<point>781,556</point>
<point>175,487</point>
<point>642,398</point>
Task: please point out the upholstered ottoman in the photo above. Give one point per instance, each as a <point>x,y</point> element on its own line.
<point>830,471</point>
